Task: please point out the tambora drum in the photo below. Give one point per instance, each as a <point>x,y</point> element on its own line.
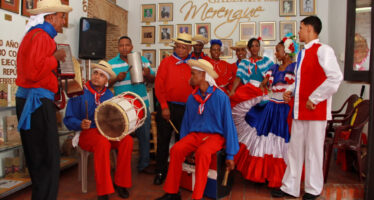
<point>120,115</point>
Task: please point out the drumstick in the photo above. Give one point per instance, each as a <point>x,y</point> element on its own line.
<point>86,109</point>
<point>175,129</point>
<point>224,181</point>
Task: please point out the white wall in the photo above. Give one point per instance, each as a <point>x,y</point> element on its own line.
<point>271,13</point>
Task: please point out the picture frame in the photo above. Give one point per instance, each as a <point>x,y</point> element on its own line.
<point>286,27</point>
<point>247,30</point>
<point>203,29</point>
<point>287,8</point>
<point>165,11</point>
<point>359,52</point>
<point>269,51</point>
<point>27,4</point>
<point>164,53</point>
<point>10,5</point>
<point>184,28</point>
<point>148,34</point>
<point>267,31</point>
<point>166,33</point>
<point>66,2</point>
<point>150,54</point>
<point>226,50</point>
<point>148,12</point>
<point>307,7</point>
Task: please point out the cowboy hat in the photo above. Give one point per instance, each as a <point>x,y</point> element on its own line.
<point>204,65</point>
<point>103,65</point>
<point>239,45</point>
<point>200,38</point>
<point>184,38</point>
<point>48,6</point>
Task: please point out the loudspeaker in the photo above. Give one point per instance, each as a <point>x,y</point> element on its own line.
<point>92,38</point>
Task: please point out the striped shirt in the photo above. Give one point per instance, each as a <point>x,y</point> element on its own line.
<point>247,73</point>
<point>118,65</point>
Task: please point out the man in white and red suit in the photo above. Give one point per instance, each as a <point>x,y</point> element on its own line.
<point>207,127</point>
<point>318,77</point>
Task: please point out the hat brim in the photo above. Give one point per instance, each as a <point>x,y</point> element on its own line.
<point>183,42</point>
<point>238,47</point>
<point>198,64</point>
<point>110,72</point>
<point>61,8</point>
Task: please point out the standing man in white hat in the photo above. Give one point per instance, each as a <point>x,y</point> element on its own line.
<point>198,47</point>
<point>172,89</point>
<point>37,62</point>
<point>207,127</point>
<point>80,115</point>
<point>240,49</point>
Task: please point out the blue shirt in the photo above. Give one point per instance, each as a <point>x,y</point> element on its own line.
<point>216,118</point>
<point>255,77</point>
<point>119,65</point>
<point>76,109</point>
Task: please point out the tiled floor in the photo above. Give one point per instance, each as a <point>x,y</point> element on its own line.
<point>341,185</point>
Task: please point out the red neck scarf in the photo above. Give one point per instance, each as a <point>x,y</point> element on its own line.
<point>254,61</point>
<point>98,95</point>
<point>200,100</point>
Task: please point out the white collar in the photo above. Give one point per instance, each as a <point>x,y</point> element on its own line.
<point>310,44</point>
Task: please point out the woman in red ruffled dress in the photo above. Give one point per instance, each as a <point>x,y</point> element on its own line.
<point>262,121</point>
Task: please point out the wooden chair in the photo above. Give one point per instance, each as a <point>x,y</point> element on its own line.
<point>153,133</point>
<point>340,118</point>
<point>353,142</point>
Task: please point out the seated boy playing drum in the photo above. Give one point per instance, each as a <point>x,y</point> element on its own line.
<point>79,116</point>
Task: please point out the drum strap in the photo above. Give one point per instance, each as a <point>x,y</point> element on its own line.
<point>98,95</point>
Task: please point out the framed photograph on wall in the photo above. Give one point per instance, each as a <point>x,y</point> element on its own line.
<point>148,12</point>
<point>226,50</point>
<point>150,54</point>
<point>359,42</point>
<point>10,5</point>
<point>203,29</point>
<point>267,30</point>
<point>165,53</point>
<point>184,28</point>
<point>27,4</point>
<point>166,33</point>
<point>307,7</point>
<point>269,51</point>
<point>165,11</point>
<point>286,27</point>
<point>287,8</point>
<point>247,30</point>
<point>148,35</point>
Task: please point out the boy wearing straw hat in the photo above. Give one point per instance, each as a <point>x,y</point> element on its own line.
<point>37,60</point>
<point>198,47</point>
<point>79,116</point>
<point>225,70</point>
<point>172,89</point>
<point>240,49</point>
<point>206,128</point>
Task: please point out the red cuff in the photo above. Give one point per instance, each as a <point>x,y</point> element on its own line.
<point>164,105</point>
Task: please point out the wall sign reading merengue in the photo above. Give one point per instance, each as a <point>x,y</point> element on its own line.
<point>231,17</point>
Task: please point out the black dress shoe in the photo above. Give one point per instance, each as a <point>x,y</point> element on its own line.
<point>279,194</point>
<point>308,196</point>
<point>103,197</point>
<point>122,192</point>
<point>170,197</point>
<point>159,179</point>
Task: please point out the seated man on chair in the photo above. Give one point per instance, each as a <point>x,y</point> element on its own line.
<point>207,127</point>
<point>79,116</point>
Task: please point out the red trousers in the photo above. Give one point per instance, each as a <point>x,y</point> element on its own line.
<point>204,145</point>
<point>91,140</point>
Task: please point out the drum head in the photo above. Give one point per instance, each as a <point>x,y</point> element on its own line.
<point>110,121</point>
